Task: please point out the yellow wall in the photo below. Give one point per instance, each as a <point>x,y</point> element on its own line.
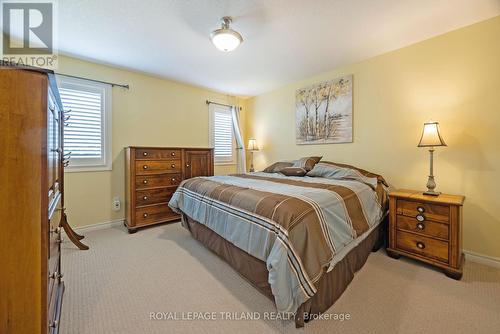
<point>154,112</point>
<point>454,79</point>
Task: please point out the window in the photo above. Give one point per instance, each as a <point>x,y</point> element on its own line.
<point>221,134</point>
<point>87,134</point>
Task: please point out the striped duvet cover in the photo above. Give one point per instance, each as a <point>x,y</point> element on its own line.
<point>296,225</point>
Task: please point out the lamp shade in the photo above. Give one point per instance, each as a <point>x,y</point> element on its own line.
<point>252,145</point>
<point>431,136</point>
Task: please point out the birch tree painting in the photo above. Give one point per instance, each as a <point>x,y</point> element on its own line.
<point>324,112</point>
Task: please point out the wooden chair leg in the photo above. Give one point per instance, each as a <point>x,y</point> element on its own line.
<point>71,234</point>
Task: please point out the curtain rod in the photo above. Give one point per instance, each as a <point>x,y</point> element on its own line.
<point>220,104</point>
<point>104,82</point>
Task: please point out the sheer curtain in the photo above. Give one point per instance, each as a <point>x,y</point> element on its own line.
<point>240,145</point>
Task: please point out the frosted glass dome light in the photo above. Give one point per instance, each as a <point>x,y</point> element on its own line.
<point>225,39</point>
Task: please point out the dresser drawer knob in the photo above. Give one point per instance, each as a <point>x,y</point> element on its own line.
<point>420,226</point>
<point>172,165</point>
<point>145,167</point>
<point>420,217</point>
<point>145,181</point>
<point>173,179</point>
<point>172,154</point>
<point>420,209</point>
<point>187,165</point>
<point>145,198</point>
<point>145,215</point>
<point>145,154</point>
<point>420,245</point>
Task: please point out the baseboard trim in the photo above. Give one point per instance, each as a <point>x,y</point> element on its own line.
<point>482,259</point>
<point>99,226</point>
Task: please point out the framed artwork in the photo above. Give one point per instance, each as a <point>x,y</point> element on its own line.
<point>324,112</point>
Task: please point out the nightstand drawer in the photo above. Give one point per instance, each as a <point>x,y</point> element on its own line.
<point>424,246</point>
<point>440,213</point>
<point>429,228</point>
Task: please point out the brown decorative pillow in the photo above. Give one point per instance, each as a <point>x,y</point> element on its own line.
<point>294,171</point>
<point>307,162</point>
<point>277,167</point>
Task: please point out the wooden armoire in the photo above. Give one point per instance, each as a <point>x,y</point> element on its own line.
<point>152,176</point>
<point>31,201</point>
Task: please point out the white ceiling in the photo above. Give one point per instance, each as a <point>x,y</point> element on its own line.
<point>284,40</point>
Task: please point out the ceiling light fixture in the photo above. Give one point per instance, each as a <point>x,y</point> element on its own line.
<point>225,38</point>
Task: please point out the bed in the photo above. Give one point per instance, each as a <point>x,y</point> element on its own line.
<point>298,240</point>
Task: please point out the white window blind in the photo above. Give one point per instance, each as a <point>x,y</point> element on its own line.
<point>87,133</point>
<point>222,136</point>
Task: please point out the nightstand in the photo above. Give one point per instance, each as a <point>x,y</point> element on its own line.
<point>427,228</point>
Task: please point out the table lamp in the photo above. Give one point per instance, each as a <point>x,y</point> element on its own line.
<point>252,147</point>
<point>431,138</point>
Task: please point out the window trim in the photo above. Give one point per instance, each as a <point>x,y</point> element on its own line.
<point>219,161</point>
<point>107,161</point>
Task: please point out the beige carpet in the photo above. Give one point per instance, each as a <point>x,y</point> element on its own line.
<point>113,287</point>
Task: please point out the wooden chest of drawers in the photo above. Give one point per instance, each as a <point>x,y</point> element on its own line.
<point>152,176</point>
<point>427,228</point>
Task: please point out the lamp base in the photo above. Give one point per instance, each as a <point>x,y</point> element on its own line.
<point>431,185</point>
<point>432,193</point>
<point>251,162</point>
